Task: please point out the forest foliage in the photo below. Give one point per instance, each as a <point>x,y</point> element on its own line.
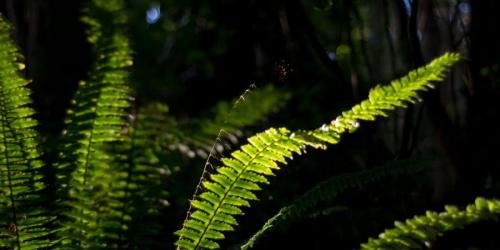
<point>129,168</point>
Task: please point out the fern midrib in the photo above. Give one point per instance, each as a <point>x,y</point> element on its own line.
<point>230,188</point>
<point>87,156</point>
<point>9,179</point>
<point>92,130</point>
<point>96,81</point>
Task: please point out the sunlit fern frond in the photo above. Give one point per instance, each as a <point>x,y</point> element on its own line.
<point>234,184</point>
<point>328,190</point>
<point>86,179</point>
<point>418,231</point>
<point>24,222</point>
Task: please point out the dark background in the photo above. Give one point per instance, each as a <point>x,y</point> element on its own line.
<point>328,54</point>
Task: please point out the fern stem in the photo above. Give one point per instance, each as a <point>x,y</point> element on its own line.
<point>87,157</point>
<point>207,163</point>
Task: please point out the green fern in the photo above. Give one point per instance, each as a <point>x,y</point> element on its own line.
<point>24,222</point>
<point>196,137</point>
<point>230,117</point>
<point>150,152</point>
<point>326,191</point>
<point>86,178</point>
<point>235,183</point>
<point>415,232</point>
<point>149,166</point>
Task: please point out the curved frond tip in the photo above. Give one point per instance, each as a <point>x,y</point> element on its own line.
<point>234,184</point>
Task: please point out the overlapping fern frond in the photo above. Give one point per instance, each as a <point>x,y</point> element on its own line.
<point>231,116</point>
<point>24,222</point>
<point>150,154</point>
<point>328,190</point>
<point>235,183</point>
<point>85,176</point>
<point>415,232</point>
<point>148,166</point>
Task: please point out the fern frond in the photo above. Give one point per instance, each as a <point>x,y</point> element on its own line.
<point>24,223</point>
<point>231,116</point>
<point>235,183</point>
<point>97,118</point>
<point>328,190</point>
<point>415,232</point>
<point>149,167</point>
